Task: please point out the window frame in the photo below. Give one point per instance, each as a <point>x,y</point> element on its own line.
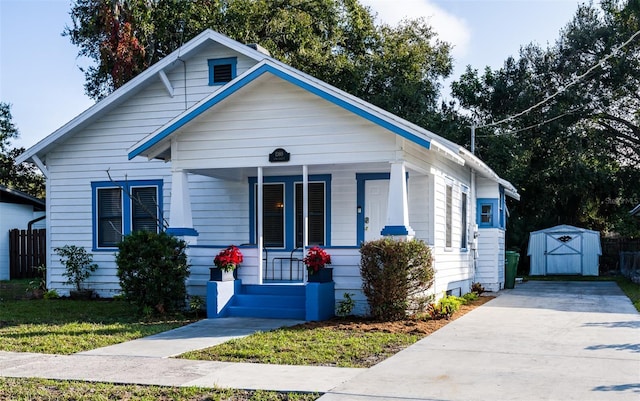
<point>464,220</point>
<point>289,183</point>
<point>493,204</point>
<point>125,188</point>
<point>214,62</point>
<point>448,216</point>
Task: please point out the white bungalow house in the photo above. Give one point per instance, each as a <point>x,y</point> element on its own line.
<point>229,146</point>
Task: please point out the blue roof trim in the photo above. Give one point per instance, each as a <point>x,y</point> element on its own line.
<point>234,86</point>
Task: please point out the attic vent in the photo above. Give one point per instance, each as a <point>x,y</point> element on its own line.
<point>222,70</point>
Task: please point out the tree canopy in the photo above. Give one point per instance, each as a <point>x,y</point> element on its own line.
<point>398,68</point>
<point>23,177</point>
<point>567,122</point>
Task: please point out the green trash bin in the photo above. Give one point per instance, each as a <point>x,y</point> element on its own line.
<point>510,268</point>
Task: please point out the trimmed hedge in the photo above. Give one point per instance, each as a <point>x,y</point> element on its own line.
<point>396,275</point>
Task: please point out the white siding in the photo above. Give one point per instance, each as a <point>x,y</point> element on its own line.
<point>273,113</point>
<point>490,263</point>
<point>99,153</point>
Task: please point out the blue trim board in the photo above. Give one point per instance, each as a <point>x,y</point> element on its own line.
<point>289,193</point>
<point>495,221</point>
<point>361,178</point>
<point>394,230</point>
<point>234,86</point>
<point>126,187</point>
<point>182,231</point>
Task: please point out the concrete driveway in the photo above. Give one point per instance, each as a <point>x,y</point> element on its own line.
<point>540,341</point>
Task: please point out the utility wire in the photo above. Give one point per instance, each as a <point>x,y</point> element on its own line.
<point>533,125</point>
<point>562,89</point>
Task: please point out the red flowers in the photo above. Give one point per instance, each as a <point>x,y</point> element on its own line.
<point>316,259</point>
<point>228,259</point>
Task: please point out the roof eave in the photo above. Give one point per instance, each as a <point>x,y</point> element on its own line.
<point>126,90</point>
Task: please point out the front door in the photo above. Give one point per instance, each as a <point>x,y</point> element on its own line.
<point>376,197</point>
<point>563,253</point>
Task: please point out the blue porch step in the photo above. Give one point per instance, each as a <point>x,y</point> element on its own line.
<point>269,301</point>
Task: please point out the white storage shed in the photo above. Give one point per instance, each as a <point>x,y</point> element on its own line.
<point>564,249</point>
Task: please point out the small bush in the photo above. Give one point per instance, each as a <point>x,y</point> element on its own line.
<point>477,288</point>
<point>469,297</point>
<point>396,275</point>
<point>345,307</point>
<point>78,264</point>
<point>446,307</point>
<point>152,269</point>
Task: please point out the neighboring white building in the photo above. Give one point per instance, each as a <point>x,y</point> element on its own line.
<point>564,250</point>
<point>17,210</point>
<point>225,143</point>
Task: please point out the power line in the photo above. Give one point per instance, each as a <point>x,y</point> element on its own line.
<point>564,88</point>
<point>533,125</point>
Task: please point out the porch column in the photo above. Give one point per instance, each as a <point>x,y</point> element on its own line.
<point>180,218</point>
<point>398,205</point>
<point>305,208</point>
<point>259,234</point>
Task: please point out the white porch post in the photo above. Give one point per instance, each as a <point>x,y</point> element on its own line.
<point>259,234</point>
<point>180,218</point>
<point>398,206</point>
<point>305,207</point>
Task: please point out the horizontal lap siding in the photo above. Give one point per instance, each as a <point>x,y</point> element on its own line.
<point>102,146</point>
<point>454,268</point>
<point>490,264</point>
<point>278,114</point>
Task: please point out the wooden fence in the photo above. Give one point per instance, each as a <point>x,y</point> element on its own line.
<point>611,250</point>
<point>27,251</point>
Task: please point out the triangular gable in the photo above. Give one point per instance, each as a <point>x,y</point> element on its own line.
<point>295,77</point>
<point>115,99</point>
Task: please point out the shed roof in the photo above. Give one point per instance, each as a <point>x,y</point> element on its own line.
<point>565,228</point>
<point>8,195</point>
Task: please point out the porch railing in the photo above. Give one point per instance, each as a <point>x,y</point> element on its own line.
<point>283,266</point>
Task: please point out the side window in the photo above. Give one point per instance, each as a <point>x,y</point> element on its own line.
<point>463,221</point>
<point>120,208</point>
<point>144,209</point>
<point>222,70</point>
<point>273,214</point>
<point>486,214</point>
<point>110,216</point>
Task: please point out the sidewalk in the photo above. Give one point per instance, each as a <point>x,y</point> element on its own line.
<point>540,341</point>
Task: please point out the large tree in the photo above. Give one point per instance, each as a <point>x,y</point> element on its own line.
<point>397,68</point>
<point>562,122</point>
<point>23,177</point>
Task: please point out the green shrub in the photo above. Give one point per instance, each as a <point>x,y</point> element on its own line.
<point>78,264</point>
<point>345,307</point>
<point>396,275</point>
<point>152,269</point>
<point>446,307</point>
<point>470,296</point>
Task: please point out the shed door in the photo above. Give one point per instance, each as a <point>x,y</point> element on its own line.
<point>563,253</point>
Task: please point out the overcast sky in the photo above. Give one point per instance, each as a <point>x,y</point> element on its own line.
<point>39,72</point>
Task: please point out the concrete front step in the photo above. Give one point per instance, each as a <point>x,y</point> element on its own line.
<point>269,301</point>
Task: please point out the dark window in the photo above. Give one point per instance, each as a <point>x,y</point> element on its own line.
<point>109,216</point>
<point>273,215</point>
<point>316,214</point>
<point>463,208</point>
<point>486,214</point>
<point>222,73</point>
<point>144,209</point>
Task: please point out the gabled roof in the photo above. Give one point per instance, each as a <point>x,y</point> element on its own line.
<point>266,64</point>
<point>565,228</point>
<point>340,98</point>
<point>8,195</point>
<point>136,84</point>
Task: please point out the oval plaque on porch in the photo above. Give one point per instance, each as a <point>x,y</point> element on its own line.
<point>279,155</point>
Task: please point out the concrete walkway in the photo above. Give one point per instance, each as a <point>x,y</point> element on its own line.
<point>540,341</point>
